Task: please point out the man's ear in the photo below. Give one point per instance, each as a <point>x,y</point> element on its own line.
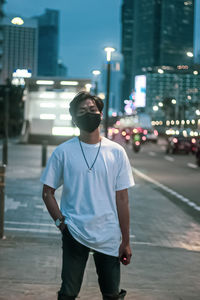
<point>101,116</point>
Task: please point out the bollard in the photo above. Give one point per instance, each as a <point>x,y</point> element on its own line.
<point>44,153</point>
<point>5,152</point>
<point>2,187</point>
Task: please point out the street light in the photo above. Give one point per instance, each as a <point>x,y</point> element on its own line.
<point>109,51</point>
<point>96,73</point>
<point>189,54</point>
<point>17,21</point>
<point>173,101</point>
<point>160,71</point>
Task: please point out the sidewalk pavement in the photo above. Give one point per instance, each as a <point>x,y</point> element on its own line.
<point>165,242</point>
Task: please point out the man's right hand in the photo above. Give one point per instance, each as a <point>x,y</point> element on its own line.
<point>125,253</point>
<point>62,227</point>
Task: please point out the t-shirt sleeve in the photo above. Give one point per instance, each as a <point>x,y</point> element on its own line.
<point>53,173</point>
<point>124,178</point>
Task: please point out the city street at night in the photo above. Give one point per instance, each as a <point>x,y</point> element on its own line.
<point>100,150</point>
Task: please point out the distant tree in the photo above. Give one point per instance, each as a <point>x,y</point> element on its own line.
<point>16,108</point>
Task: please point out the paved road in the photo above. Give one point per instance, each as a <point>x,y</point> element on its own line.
<point>178,173</point>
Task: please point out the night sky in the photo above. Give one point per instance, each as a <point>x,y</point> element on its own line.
<point>86,27</point>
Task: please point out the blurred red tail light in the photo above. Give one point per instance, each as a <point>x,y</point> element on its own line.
<point>175,140</point>
<point>193,141</point>
<point>145,131</point>
<point>155,132</point>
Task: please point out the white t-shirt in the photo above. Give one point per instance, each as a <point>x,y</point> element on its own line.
<point>88,199</point>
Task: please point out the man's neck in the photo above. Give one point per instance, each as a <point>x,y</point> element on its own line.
<point>90,138</point>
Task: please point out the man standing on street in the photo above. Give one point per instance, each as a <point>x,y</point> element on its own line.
<point>94,212</point>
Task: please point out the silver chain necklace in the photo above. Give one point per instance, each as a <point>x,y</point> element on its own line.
<point>89,168</point>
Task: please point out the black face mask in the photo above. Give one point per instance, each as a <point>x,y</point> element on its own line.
<point>88,122</point>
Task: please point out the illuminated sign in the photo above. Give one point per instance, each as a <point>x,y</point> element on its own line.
<point>140,91</point>
<point>22,73</point>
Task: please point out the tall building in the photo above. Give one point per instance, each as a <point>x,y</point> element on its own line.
<point>162,34</point>
<point>19,46</point>
<point>127,20</point>
<point>1,35</point>
<point>197,32</point>
<point>48,27</point>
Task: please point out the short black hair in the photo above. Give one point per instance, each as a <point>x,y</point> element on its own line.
<point>81,96</point>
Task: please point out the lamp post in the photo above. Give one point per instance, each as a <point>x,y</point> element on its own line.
<point>109,51</point>
<point>96,73</point>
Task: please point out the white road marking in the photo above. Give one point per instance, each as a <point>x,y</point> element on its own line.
<point>165,188</point>
<point>30,224</point>
<point>32,230</point>
<point>10,203</point>
<point>169,158</point>
<point>43,207</point>
<point>145,243</point>
<point>192,166</point>
<point>152,153</point>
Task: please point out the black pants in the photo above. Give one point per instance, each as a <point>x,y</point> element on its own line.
<point>75,256</point>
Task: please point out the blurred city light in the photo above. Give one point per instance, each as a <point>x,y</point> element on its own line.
<point>197,112</point>
<point>88,87</point>
<point>66,82</point>
<point>22,73</point>
<point>47,95</point>
<point>173,101</point>
<point>190,54</point>
<point>155,108</point>
<point>160,71</point>
<point>47,116</point>
<point>45,82</point>
<point>17,21</point>
<point>96,72</point>
<point>109,50</point>
<point>67,95</point>
<point>102,96</point>
<point>195,72</point>
<point>67,131</point>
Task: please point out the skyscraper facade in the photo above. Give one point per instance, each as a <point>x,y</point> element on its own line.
<point>197,32</point>
<point>162,34</point>
<point>48,28</point>
<point>127,20</point>
<point>19,47</point>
